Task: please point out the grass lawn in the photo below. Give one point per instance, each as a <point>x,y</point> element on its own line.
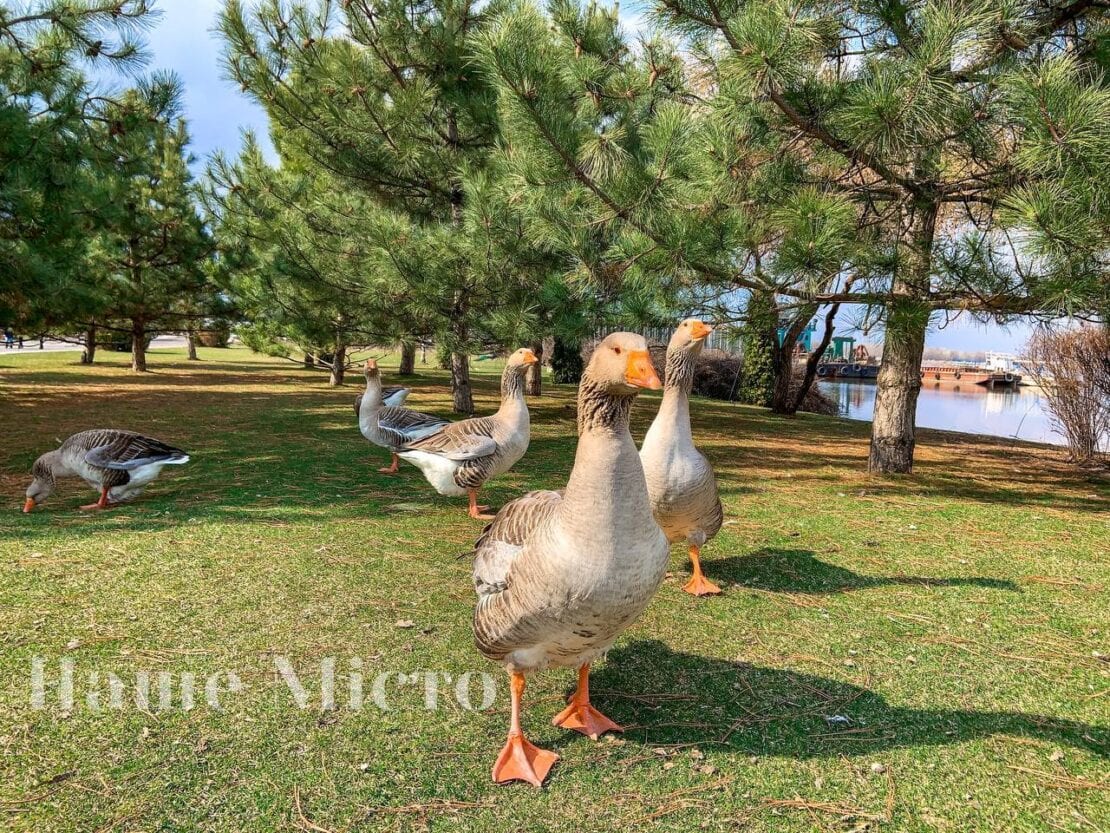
<point>911,654</point>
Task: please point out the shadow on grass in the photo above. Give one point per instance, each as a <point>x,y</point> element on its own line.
<point>800,571</point>
<point>755,710</point>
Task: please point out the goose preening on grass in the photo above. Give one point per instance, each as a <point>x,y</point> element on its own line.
<point>560,575</point>
<point>390,425</point>
<point>118,464</point>
<point>680,480</point>
<point>460,457</point>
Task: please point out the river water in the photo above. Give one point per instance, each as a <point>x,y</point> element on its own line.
<point>1003,412</point>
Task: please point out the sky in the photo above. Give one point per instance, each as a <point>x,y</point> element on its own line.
<point>218,114</point>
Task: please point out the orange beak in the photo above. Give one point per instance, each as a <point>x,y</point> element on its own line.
<point>699,330</point>
<point>29,505</point>
<point>371,364</point>
<point>641,372</point>
<point>530,358</point>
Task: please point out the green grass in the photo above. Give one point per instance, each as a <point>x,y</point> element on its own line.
<point>957,618</point>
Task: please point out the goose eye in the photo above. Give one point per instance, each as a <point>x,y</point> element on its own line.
<point>617,350</point>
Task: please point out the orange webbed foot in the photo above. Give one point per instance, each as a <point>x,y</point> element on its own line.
<point>522,761</point>
<point>584,718</point>
<point>89,507</point>
<point>481,513</point>
<point>699,585</point>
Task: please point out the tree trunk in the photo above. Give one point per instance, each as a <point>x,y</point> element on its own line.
<point>89,354</point>
<point>462,396</point>
<point>338,365</point>
<point>782,362</point>
<point>899,383</point>
<point>408,359</point>
<point>815,357</point>
<point>191,345</point>
<point>782,400</point>
<point>907,319</point>
<point>138,346</point>
<point>533,382</point>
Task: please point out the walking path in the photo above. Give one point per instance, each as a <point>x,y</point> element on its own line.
<point>31,346</point>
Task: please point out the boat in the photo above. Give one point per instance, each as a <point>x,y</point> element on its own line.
<point>955,373</point>
<point>840,369</point>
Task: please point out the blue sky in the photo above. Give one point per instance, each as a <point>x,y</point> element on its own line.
<point>218,113</point>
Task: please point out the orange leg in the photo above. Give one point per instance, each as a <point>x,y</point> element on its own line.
<point>520,760</point>
<point>580,715</point>
<point>479,512</point>
<point>699,585</point>
<point>100,504</point>
<point>392,469</point>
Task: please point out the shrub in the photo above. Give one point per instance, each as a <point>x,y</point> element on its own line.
<point>1072,367</point>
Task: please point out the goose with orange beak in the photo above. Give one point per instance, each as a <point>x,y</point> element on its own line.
<point>460,457</point>
<point>118,464</point>
<point>389,425</point>
<point>680,480</point>
<point>560,575</point>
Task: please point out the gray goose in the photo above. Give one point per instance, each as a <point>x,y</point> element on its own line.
<point>560,575</point>
<point>390,426</point>
<point>118,464</point>
<point>680,480</point>
<point>460,457</point>
<point>393,396</point>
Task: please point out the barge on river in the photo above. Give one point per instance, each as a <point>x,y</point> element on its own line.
<point>950,373</point>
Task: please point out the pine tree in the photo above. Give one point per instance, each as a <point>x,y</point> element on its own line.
<point>382,95</point>
<point>300,259</point>
<point>149,257</point>
<point>911,156</point>
<point>49,191</point>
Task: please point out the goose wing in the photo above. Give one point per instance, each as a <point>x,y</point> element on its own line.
<point>392,396</point>
<point>402,425</point>
<point>503,539</point>
<point>458,441</point>
<point>123,450</point>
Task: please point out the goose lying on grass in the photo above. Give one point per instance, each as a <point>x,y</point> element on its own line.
<point>118,464</point>
<point>680,480</point>
<point>460,457</point>
<point>390,426</point>
<point>560,575</point>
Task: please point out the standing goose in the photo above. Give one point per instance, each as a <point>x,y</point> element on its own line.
<point>560,575</point>
<point>119,464</point>
<point>393,396</point>
<point>680,480</point>
<point>461,456</point>
<point>390,425</point>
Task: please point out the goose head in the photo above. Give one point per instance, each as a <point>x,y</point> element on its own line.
<point>371,369</point>
<point>690,336</point>
<point>521,360</point>
<point>621,364</point>
<point>42,483</point>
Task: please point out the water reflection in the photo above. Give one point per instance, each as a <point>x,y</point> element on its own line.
<point>1003,412</point>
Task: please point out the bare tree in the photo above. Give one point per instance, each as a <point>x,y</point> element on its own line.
<point>1072,367</point>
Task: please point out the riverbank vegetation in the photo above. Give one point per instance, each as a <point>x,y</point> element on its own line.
<point>911,654</point>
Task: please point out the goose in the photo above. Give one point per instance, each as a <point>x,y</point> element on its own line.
<point>461,456</point>
<point>393,396</point>
<point>390,426</point>
<point>559,575</point>
<point>680,480</point>
<point>118,464</point>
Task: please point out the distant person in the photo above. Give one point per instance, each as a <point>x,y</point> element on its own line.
<point>9,338</point>
<point>21,342</point>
